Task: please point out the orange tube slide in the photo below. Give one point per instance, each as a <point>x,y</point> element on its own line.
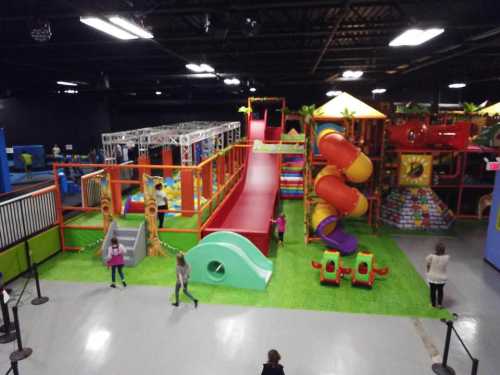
<point>344,160</point>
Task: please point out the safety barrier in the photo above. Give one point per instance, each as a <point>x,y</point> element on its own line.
<point>443,368</point>
<point>27,215</point>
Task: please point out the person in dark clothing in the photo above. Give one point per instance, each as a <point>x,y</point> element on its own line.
<point>273,367</point>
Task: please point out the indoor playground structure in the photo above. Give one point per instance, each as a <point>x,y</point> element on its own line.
<point>224,190</point>
<point>229,259</point>
<point>492,251</point>
<point>344,143</point>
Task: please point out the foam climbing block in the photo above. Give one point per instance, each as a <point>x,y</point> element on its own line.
<point>229,259</point>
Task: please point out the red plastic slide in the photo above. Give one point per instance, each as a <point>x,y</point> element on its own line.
<point>249,209</point>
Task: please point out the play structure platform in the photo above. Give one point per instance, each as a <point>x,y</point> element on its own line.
<point>249,209</point>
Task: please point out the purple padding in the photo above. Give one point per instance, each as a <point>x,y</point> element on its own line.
<point>338,239</point>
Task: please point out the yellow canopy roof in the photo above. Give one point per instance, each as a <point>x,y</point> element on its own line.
<point>492,110</point>
<point>335,107</point>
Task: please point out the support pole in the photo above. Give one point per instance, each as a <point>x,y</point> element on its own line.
<point>116,190</point>
<point>443,368</point>
<point>21,352</point>
<point>8,327</point>
<point>187,191</point>
<point>167,159</point>
<point>5,185</point>
<point>14,367</point>
<point>39,299</point>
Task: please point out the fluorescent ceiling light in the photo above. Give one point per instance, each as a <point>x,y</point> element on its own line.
<point>204,75</point>
<point>194,68</point>
<point>107,28</point>
<point>457,85</point>
<point>66,83</point>
<point>232,81</point>
<point>378,91</point>
<point>352,74</point>
<point>253,89</point>
<point>70,91</point>
<point>201,68</point>
<point>132,27</point>
<point>415,37</point>
<point>158,92</point>
<point>207,68</point>
<point>333,93</point>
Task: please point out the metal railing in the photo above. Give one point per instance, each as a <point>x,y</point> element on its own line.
<point>27,215</point>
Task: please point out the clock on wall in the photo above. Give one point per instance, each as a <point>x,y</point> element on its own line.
<point>415,170</point>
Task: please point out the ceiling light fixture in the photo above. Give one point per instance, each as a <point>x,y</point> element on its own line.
<point>352,74</point>
<point>457,85</point>
<point>415,37</point>
<point>66,83</point>
<point>232,81</point>
<point>132,27</point>
<point>253,89</point>
<point>107,28</point>
<point>201,68</point>
<point>158,93</point>
<point>204,75</point>
<point>379,91</point>
<point>70,91</point>
<point>333,93</point>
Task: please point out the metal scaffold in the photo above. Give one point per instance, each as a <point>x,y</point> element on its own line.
<point>185,135</point>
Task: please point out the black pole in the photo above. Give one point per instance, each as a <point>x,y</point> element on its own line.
<point>21,353</point>
<point>14,367</point>
<point>475,364</point>
<point>38,300</point>
<point>7,326</point>
<point>443,368</point>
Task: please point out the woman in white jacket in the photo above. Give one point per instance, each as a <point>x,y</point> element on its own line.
<point>436,265</point>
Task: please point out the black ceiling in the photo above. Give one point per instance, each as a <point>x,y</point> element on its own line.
<point>299,45</point>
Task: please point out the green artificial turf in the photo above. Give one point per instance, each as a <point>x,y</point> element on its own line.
<point>294,284</point>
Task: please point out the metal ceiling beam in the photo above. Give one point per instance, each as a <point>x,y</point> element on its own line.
<point>345,10</point>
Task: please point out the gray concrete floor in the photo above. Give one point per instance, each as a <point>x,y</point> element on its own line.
<point>472,291</point>
<point>93,329</point>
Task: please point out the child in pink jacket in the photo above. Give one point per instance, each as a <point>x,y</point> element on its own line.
<point>281,224</point>
<point>116,261</point>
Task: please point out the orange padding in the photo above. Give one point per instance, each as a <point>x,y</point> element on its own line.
<point>333,190</point>
<point>338,150</point>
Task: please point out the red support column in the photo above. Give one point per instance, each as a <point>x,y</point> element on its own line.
<point>167,159</point>
<point>116,190</point>
<point>206,175</point>
<point>187,191</point>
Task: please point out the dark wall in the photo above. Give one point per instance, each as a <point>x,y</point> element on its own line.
<point>130,115</point>
<point>78,120</point>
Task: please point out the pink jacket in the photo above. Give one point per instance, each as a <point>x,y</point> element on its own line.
<point>281,223</point>
<point>115,255</point>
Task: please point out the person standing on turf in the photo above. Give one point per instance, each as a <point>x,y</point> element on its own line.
<point>273,367</point>
<point>281,223</point>
<point>115,260</point>
<point>436,266</point>
<point>182,271</point>
<point>161,203</point>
